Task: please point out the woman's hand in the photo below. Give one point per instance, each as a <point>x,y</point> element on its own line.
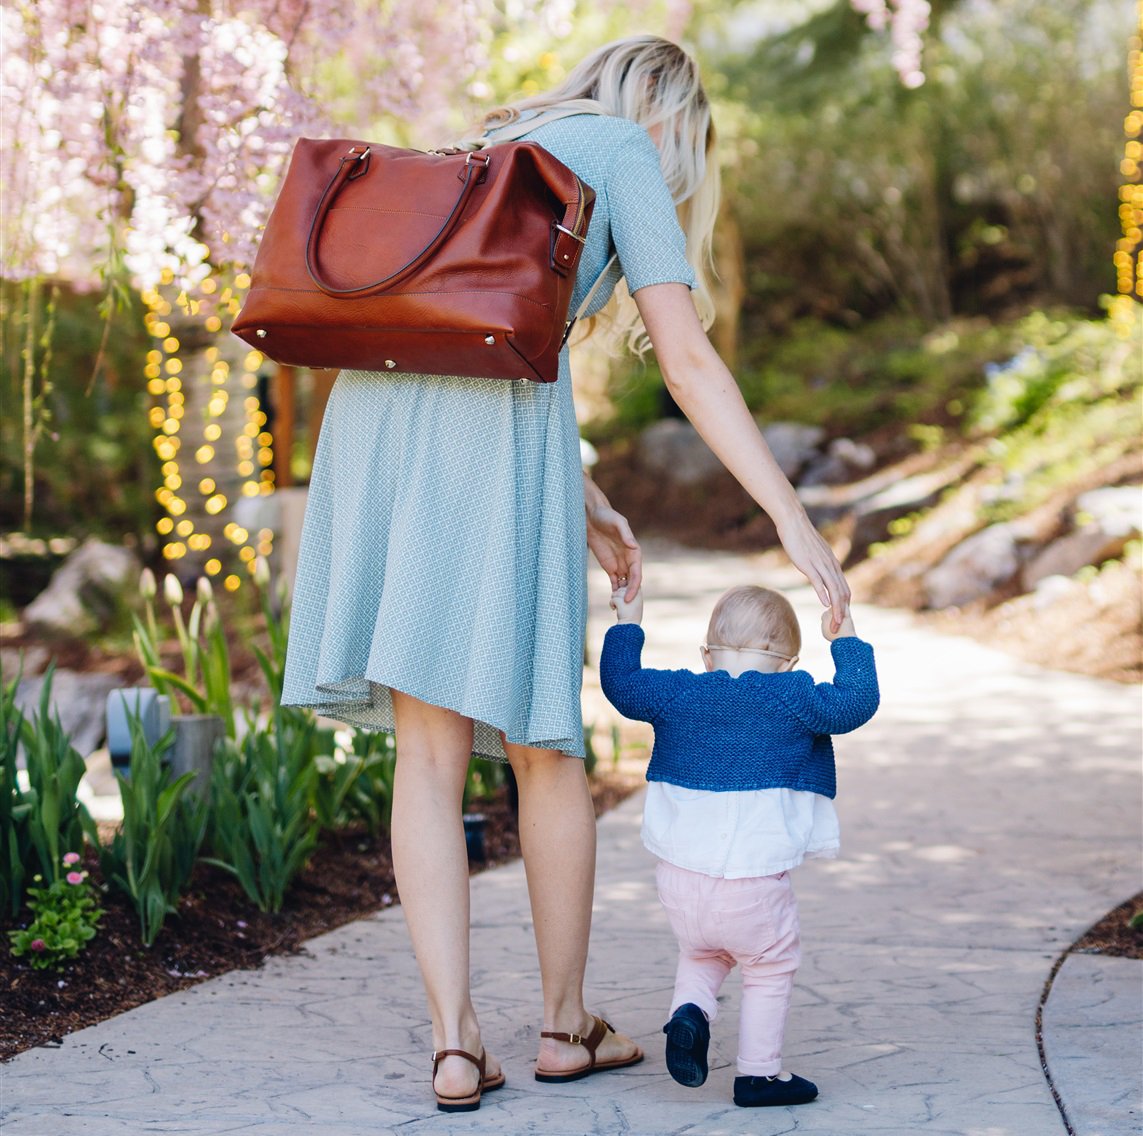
<point>813,557</point>
<point>612,542</point>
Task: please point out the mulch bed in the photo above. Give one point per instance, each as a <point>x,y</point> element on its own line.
<point>1113,935</point>
<point>218,929</point>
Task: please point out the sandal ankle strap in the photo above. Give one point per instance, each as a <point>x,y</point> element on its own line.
<point>590,1042</point>
<point>438,1054</point>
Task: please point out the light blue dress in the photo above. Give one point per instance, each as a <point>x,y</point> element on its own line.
<point>444,545</point>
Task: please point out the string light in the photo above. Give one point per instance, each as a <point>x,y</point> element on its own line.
<point>163,370</point>
<point>1128,256</point>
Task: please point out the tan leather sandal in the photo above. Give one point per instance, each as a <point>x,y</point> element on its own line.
<point>591,1043</point>
<point>471,1102</point>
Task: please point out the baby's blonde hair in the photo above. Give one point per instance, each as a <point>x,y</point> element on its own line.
<point>652,82</point>
<point>750,616</point>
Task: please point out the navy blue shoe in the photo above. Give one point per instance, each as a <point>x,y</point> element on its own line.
<point>767,1092</point>
<point>688,1035</point>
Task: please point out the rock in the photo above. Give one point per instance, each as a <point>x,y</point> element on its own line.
<point>1105,520</point>
<point>22,661</point>
<point>673,449</point>
<point>1052,589</point>
<point>843,461</point>
<point>793,444</point>
<point>1090,544</point>
<point>80,700</point>
<point>1116,509</point>
<point>84,590</point>
<point>872,504</point>
<point>973,568</point>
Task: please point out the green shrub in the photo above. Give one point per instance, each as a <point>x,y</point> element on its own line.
<point>483,779</point>
<point>15,806</point>
<point>370,798</point>
<point>205,681</point>
<point>56,820</point>
<point>262,827</point>
<point>336,773</point>
<point>153,853</point>
<point>1064,407</point>
<point>65,915</point>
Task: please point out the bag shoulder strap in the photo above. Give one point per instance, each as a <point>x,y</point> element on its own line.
<point>518,127</point>
<point>588,298</point>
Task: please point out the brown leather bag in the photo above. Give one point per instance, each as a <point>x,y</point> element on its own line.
<point>444,263</point>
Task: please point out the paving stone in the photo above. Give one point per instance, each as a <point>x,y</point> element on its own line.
<point>989,815</point>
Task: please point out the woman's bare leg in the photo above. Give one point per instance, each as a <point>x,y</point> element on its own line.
<point>557,838</point>
<point>431,865</point>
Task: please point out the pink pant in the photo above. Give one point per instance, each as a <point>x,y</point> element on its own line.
<point>752,922</point>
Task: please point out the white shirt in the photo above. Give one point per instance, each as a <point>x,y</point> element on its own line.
<point>738,835</point>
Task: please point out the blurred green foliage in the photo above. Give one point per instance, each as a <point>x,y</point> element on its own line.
<point>881,373</point>
<point>989,188</point>
<point>883,229</point>
<point>1065,406</point>
<point>95,470</point>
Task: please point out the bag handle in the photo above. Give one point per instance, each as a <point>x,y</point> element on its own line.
<point>355,164</point>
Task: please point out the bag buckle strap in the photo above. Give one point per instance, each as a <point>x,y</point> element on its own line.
<point>355,156</point>
<point>574,236</point>
<point>474,158</point>
<point>567,239</point>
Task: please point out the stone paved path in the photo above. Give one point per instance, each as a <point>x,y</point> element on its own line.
<point>990,813</point>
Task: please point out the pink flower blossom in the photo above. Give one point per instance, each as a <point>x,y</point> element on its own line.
<point>75,877</point>
<point>38,945</point>
<point>906,21</point>
<point>71,858</point>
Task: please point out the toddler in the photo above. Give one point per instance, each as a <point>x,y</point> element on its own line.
<point>741,790</point>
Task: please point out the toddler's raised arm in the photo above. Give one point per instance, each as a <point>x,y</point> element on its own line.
<point>627,611</point>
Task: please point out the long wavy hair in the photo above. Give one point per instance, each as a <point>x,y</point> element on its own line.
<point>655,83</point>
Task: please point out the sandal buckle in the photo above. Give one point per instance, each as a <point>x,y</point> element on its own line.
<point>575,1039</point>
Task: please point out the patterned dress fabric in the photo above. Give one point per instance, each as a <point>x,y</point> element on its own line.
<point>444,546</point>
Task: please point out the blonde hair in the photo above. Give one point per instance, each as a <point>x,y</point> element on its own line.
<point>749,616</point>
<point>652,82</point>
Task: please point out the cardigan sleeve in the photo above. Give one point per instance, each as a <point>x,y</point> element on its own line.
<point>635,691</point>
<point>849,701</point>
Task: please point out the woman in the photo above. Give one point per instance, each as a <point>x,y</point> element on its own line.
<point>440,580</point>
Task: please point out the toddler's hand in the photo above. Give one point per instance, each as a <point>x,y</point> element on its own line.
<point>627,611</point>
<point>844,631</point>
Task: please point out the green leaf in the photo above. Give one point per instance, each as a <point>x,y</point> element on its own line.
<point>197,699</point>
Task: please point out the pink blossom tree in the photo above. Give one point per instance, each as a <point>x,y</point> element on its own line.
<point>143,143</point>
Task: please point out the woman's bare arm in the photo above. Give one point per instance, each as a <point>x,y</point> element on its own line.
<point>707,393</point>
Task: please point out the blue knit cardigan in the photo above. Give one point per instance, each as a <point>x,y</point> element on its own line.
<point>757,731</point>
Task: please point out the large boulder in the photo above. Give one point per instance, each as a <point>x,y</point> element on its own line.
<point>84,592</point>
<point>78,699</point>
<point>1117,509</point>
<point>672,449</point>
<point>843,461</point>
<point>1105,520</point>
<point>793,444</point>
<point>974,568</point>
